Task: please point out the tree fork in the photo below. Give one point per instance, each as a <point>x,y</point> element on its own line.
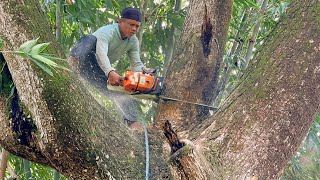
<point>172,137</point>
<point>187,161</point>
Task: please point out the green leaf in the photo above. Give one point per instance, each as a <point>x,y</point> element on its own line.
<point>109,15</point>
<point>1,77</point>
<point>108,4</point>
<point>42,66</point>
<point>115,4</point>
<point>3,64</point>
<point>12,86</point>
<point>85,20</point>
<point>44,60</point>
<point>58,65</point>
<point>22,54</point>
<point>39,48</point>
<point>69,17</point>
<point>49,61</point>
<point>1,43</point>
<point>252,3</point>
<point>318,118</point>
<point>136,4</point>
<point>52,57</point>
<point>26,47</point>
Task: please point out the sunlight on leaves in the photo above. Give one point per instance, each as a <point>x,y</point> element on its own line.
<point>39,48</point>
<point>26,47</point>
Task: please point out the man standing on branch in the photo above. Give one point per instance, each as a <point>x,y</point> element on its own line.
<point>93,55</point>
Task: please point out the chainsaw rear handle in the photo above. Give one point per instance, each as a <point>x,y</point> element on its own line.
<point>155,74</point>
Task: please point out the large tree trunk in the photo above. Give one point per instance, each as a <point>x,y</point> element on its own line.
<point>73,133</point>
<point>262,123</point>
<point>193,74</point>
<point>254,133</point>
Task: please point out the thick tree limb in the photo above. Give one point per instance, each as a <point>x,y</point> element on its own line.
<point>75,134</point>
<point>266,118</point>
<point>193,73</point>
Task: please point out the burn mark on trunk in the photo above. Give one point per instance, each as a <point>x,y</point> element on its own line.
<point>22,125</point>
<point>206,33</point>
<point>172,137</point>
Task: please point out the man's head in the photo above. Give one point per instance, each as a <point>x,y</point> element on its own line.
<point>129,22</point>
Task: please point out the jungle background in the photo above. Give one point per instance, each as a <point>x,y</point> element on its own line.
<point>252,21</point>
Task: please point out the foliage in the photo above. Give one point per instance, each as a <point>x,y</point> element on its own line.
<point>38,171</point>
<point>305,164</point>
<point>1,43</point>
<point>245,16</point>
<point>84,17</point>
<point>33,51</point>
<point>6,83</point>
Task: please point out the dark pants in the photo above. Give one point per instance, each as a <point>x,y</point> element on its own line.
<point>85,62</point>
<point>85,52</point>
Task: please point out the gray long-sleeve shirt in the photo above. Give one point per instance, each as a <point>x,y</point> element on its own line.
<point>111,47</point>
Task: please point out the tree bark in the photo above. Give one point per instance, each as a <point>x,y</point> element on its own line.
<point>3,165</point>
<point>58,20</point>
<point>74,133</point>
<point>281,89</point>
<point>193,74</point>
<point>260,126</point>
<point>252,135</point>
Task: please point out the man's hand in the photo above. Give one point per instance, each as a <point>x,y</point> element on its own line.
<point>114,78</point>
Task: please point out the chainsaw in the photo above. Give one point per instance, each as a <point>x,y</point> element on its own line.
<point>143,85</point>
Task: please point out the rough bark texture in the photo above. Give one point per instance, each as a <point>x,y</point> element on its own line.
<point>253,135</point>
<point>74,133</point>
<point>256,132</point>
<point>193,73</point>
<point>282,95</point>
<point>192,76</point>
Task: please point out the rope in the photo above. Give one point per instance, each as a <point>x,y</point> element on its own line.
<point>147,150</point>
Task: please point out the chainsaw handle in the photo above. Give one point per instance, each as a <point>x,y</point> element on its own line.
<point>156,70</point>
<point>146,71</point>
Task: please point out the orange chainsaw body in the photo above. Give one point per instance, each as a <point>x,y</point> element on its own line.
<point>139,82</point>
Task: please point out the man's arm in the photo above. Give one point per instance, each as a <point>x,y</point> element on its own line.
<point>134,57</point>
<point>103,59</point>
<point>102,53</point>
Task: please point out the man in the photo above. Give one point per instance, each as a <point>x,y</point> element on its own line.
<point>93,55</point>
<point>109,43</point>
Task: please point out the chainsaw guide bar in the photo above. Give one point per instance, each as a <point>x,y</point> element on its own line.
<point>142,85</point>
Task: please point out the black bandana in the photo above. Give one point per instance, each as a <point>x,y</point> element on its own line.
<point>131,13</point>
